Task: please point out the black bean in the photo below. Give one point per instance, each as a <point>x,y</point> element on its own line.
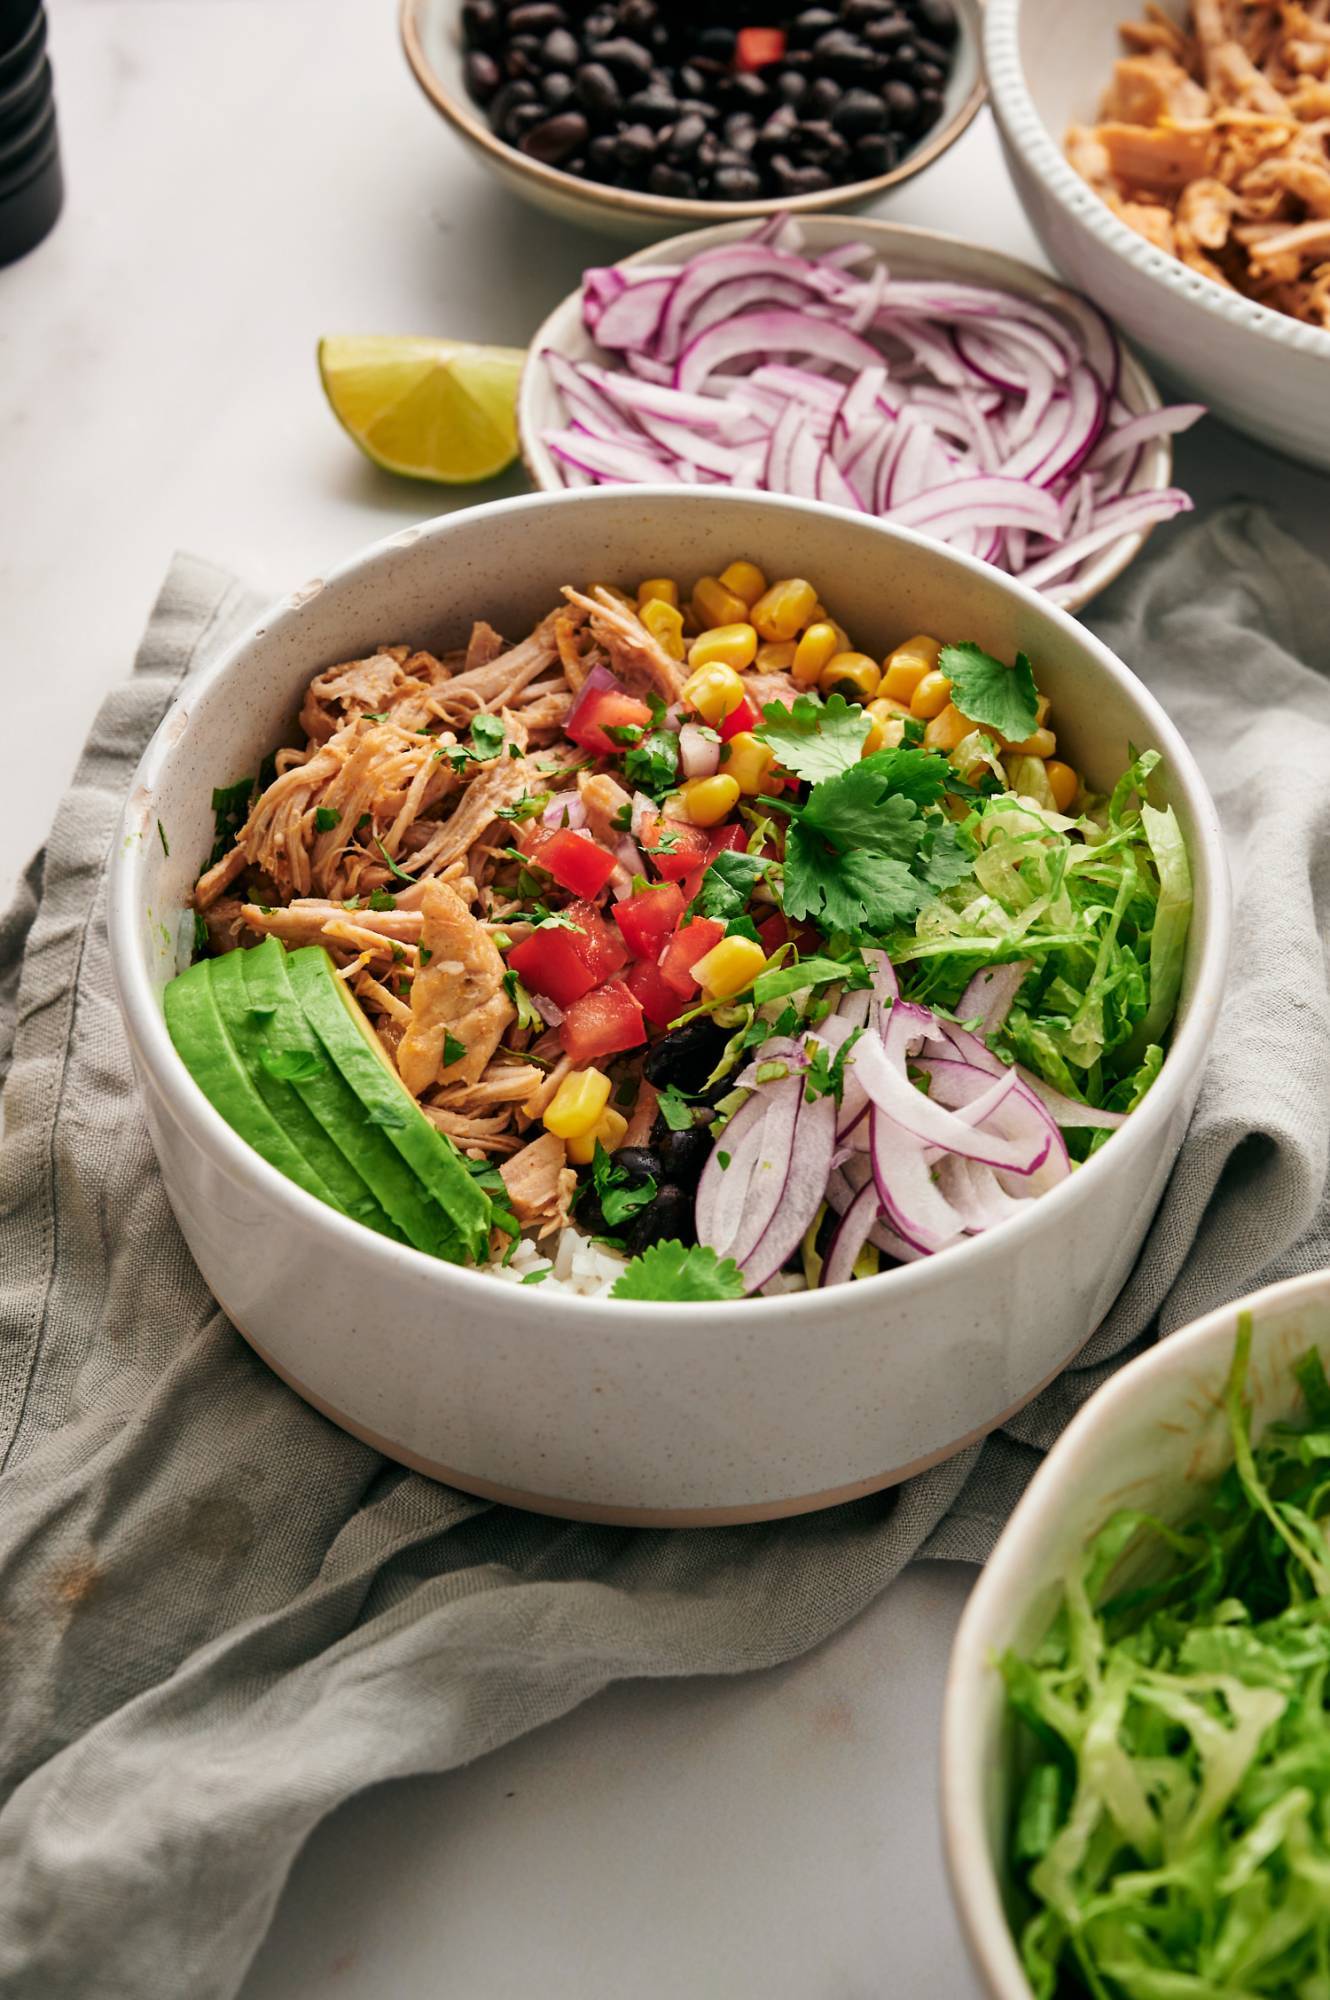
<point>557,138</point>
<point>747,90</point>
<point>508,99</point>
<point>823,98</point>
<point>669,1218</point>
<point>522,58</point>
<point>603,152</point>
<point>685,1056</point>
<point>556,87</point>
<point>692,82</point>
<point>709,69</point>
<point>536,17</point>
<point>844,56</point>
<point>873,155</point>
<point>939,18</point>
<point>628,59</point>
<point>524,118</point>
<point>902,104</point>
<point>597,91</point>
<point>933,52</point>
<point>790,179</point>
<point>483,75</point>
<point>885,35</point>
<point>902,59</point>
<point>928,76</point>
<point>560,50</point>
<point>792,87</point>
<point>930,110</point>
<point>481,23</point>
<point>777,129</point>
<point>640,1163</point>
<point>717,43</point>
<point>709,152</point>
<point>634,146</point>
<point>858,112</point>
<point>651,107</point>
<point>740,130</point>
<point>599,24</point>
<point>671,181</point>
<point>682,1154</point>
<point>683,141</point>
<point>698,107</point>
<point>636,16</point>
<point>805,28</point>
<point>859,13</point>
<point>817,145</point>
<point>737,184</point>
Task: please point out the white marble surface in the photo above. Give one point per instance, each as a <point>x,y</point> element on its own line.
<point>245,175</point>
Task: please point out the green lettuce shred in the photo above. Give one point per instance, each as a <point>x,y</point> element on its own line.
<point>1171,1834</point>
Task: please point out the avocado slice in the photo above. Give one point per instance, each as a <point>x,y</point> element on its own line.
<point>270,1057</point>
<point>386,1103</point>
<point>194,1023</point>
<point>330,1098</point>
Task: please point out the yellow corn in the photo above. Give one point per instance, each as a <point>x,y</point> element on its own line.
<point>775,656</point>
<point>576,1105</point>
<point>947,728</point>
<point>784,609</point>
<point>747,761</point>
<point>658,590</point>
<point>745,579</point>
<point>906,665</point>
<point>813,651</point>
<point>730,966</point>
<point>733,645</point>
<point>887,731</point>
<point>852,674</point>
<point>715,604</point>
<point>1063,783</point>
<point>1042,744</point>
<point>713,691</point>
<point>930,696</point>
<point>607,1131</point>
<point>707,801</point>
<point>665,624</point>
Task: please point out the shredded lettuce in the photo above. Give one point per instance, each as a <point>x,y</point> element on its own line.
<point>1171,1837</point>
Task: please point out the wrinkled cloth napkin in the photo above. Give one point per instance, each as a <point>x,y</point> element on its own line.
<point>219,1616</point>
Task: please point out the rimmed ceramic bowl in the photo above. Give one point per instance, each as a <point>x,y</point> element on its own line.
<point>654,1414</point>
<point>907,252</point>
<point>1152,1438</point>
<point>431,37</point>
<point>1048,63</point>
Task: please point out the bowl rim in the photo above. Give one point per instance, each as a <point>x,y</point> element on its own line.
<point>1002,1580</point>
<point>472,125</point>
<point>231,1155</point>
<point>1014,272</point>
<point>1027,135</point>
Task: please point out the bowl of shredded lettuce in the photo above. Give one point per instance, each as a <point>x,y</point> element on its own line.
<point>1136,1738</point>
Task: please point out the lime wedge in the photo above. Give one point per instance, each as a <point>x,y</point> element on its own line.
<point>435,409</point>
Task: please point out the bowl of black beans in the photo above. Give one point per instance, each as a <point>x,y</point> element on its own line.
<point>639,116</point>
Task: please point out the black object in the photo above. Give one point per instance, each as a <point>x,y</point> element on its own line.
<point>637,94</point>
<point>31,182</point>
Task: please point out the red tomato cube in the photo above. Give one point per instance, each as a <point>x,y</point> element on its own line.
<point>659,1002</point>
<point>733,838</point>
<point>648,918</point>
<point>602,1023</point>
<point>754,48</point>
<point>684,949</point>
<point>745,716</point>
<point>598,709</point>
<point>597,943</point>
<point>576,862</point>
<point>550,963</point>
<point>684,847</point>
<point>773,933</point>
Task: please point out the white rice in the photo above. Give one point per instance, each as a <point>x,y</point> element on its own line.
<point>575,1265</point>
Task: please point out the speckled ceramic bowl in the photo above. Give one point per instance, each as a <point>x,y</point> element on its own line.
<point>432,40</point>
<point>1048,63</point>
<point>1153,1436</point>
<point>654,1413</point>
<point>909,253</point>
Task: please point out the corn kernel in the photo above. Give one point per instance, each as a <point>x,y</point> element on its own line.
<point>746,580</point>
<point>852,674</point>
<point>733,645</point>
<point>813,651</point>
<point>707,801</point>
<point>713,691</point>
<point>576,1105</point>
<point>906,665</point>
<point>775,656</point>
<point>747,761</point>
<point>665,624</point>
<point>889,719</point>
<point>658,590</point>
<point>784,609</point>
<point>730,966</point>
<point>930,696</point>
<point>1042,744</point>
<point>947,728</point>
<point>1063,783</point>
<point>714,604</point>
<point>607,1131</point>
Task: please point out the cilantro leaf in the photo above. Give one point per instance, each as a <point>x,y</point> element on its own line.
<point>807,972</point>
<point>653,764</point>
<point>230,808</point>
<point>326,818</point>
<point>619,1195</point>
<point>527,1015</point>
<point>526,807</point>
<point>815,739</point>
<point>201,936</point>
<point>453,1050</point>
<point>488,734</point>
<point>391,865</point>
<point>728,884</point>
<point>858,893</point>
<point>1000,698</point>
<point>677,1113</point>
<point>669,1272</point>
<point>380,899</point>
<point>536,1277</point>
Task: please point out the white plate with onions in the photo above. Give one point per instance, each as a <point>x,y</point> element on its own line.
<point>889,370</point>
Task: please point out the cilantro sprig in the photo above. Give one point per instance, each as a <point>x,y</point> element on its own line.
<point>815,739</point>
<point>669,1273</point>
<point>1003,699</point>
<point>620,1194</point>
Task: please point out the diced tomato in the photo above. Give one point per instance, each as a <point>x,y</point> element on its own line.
<point>659,1002</point>
<point>685,847</point>
<point>549,962</point>
<point>745,716</point>
<point>773,933</point>
<point>684,949</point>
<point>602,1023</point>
<point>647,919</point>
<point>577,862</point>
<point>598,709</point>
<point>598,942</point>
<point>733,838</point>
<point>754,48</point>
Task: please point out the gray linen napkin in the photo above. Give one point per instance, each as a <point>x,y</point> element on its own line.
<point>219,1616</point>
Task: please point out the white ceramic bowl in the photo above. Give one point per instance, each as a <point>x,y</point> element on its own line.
<point>1151,1437</point>
<point>908,253</point>
<point>652,1413</point>
<point>432,40</point>
<point>1048,63</point>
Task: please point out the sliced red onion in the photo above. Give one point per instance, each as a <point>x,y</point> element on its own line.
<point>929,1122</point>
<point>631,317</point>
<point>912,1203</point>
<point>699,751</point>
<point>762,331</point>
<point>988,997</point>
<point>643,808</point>
<point>722,1190</point>
<point>564,809</point>
<point>802,1185</point>
<point>549,1011</point>
<point>851,1234</point>
<point>1067,1111</point>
